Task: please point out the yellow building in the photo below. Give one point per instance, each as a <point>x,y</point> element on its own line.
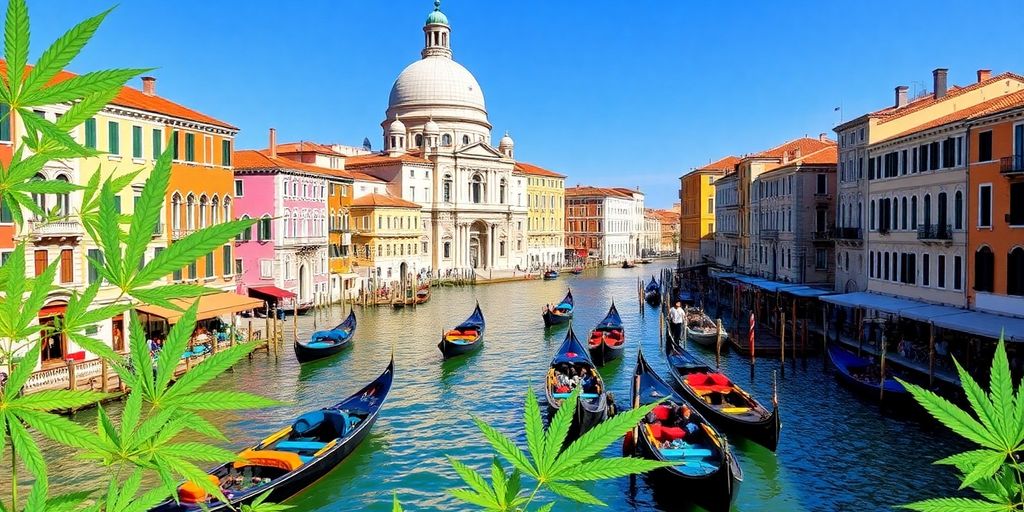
<point>545,230</point>
<point>697,210</point>
<point>388,240</point>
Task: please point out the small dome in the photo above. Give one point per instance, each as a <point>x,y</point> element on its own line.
<point>505,141</point>
<point>397,127</point>
<point>431,127</point>
<point>437,17</point>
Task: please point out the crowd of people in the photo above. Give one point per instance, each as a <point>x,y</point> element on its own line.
<point>568,378</point>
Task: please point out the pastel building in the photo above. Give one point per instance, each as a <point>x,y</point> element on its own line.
<point>545,192</point>
<point>696,215</point>
<point>287,248</point>
<point>605,224</point>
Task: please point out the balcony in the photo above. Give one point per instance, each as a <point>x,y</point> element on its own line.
<point>769,234</point>
<point>1012,166</point>
<point>935,232</point>
<point>824,235</point>
<point>62,229</point>
<point>158,230</point>
<point>850,234</point>
<point>178,234</point>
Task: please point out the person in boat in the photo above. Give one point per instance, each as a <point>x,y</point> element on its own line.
<point>589,384</point>
<point>676,317</point>
<point>681,417</point>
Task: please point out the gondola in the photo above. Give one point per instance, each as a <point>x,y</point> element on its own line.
<point>652,292</point>
<point>561,313</point>
<point>722,401</point>
<point>863,375</point>
<point>608,340</point>
<point>645,261</point>
<point>627,264</point>
<point>422,295</point>
<point>550,274</point>
<point>706,473</point>
<point>292,458</point>
<point>465,337</point>
<point>701,329</point>
<point>572,360</point>
<point>576,270</point>
<point>326,343</point>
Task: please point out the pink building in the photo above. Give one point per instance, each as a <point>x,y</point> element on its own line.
<point>288,248</point>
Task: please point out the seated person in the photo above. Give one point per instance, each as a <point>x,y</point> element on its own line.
<point>681,418</point>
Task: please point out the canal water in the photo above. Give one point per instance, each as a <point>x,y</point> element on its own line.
<point>837,452</point>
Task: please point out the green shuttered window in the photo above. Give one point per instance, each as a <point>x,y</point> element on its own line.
<point>113,138</point>
<point>90,133</point>
<point>136,142</point>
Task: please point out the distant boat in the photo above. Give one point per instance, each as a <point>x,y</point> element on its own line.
<point>293,458</point>
<point>326,343</point>
<point>645,261</point>
<point>577,270</point>
<point>701,329</point>
<point>652,292</point>
<point>422,294</point>
<point>561,313</point>
<point>863,374</point>
<point>465,337</point>
<point>550,274</point>
<point>628,264</point>
<point>608,340</point>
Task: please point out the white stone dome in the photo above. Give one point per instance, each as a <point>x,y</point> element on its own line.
<point>506,141</point>
<point>397,127</point>
<point>436,81</point>
<point>430,127</point>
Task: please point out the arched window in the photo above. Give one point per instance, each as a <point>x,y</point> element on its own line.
<point>295,188</point>
<point>502,191</point>
<point>295,224</point>
<point>1015,272</point>
<point>927,210</point>
<point>476,189</point>
<point>203,204</point>
<point>419,140</point>
<point>286,225</point>
<point>246,234</point>
<point>913,212</point>
<point>860,215</point>
<point>190,212</point>
<point>39,199</point>
<point>227,209</point>
<point>984,269</point>
<point>176,211</point>
<point>214,211</point>
<point>264,231</point>
<point>872,214</point>
<point>446,189</point>
<point>903,213</point>
<point>446,140</point>
<point>943,218</point>
<point>465,139</point>
<point>958,210</point>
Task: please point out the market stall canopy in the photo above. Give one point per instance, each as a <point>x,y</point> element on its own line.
<point>210,306</point>
<point>272,292</point>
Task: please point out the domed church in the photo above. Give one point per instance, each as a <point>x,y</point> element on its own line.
<point>438,154</point>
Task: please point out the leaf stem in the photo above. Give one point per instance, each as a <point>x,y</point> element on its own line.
<point>532,495</point>
<point>14,474</point>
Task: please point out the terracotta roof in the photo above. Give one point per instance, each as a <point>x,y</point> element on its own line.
<point>725,164</point>
<point>134,98</point>
<point>533,170</point>
<point>306,147</point>
<point>806,145</point>
<point>984,108</point>
<point>892,112</point>
<point>383,200</point>
<point>598,191</point>
<point>253,159</point>
<point>377,159</point>
<point>667,215</point>
<point>362,176</point>
<point>828,155</point>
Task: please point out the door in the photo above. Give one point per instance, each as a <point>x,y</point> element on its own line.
<point>474,252</point>
<point>117,333</point>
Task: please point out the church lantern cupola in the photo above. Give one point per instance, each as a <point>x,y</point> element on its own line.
<point>437,34</point>
<point>396,136</point>
<point>506,145</point>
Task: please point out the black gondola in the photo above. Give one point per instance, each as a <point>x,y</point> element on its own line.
<point>561,313</point>
<point>864,375</point>
<point>294,457</point>
<point>326,343</point>
<point>550,274</point>
<point>608,340</point>
<point>572,367</point>
<point>627,264</point>
<point>721,400</point>
<point>652,292</point>
<point>465,337</point>
<point>707,472</point>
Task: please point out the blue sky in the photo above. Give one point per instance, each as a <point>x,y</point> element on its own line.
<point>609,93</point>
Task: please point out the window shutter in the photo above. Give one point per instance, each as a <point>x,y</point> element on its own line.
<point>90,133</point>
<point>5,122</point>
<point>136,142</point>
<point>225,152</point>
<point>113,138</point>
<point>158,142</point>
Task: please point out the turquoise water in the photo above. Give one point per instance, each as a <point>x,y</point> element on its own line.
<point>837,452</point>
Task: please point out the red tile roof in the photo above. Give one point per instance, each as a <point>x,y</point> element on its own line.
<point>306,147</point>
<point>252,159</point>
<point>134,98</point>
<point>725,164</point>
<point>806,146</point>
<point>982,109</point>
<point>828,155</point>
<point>892,112</point>
<point>582,191</point>
<point>533,170</point>
<point>377,160</point>
<point>362,176</point>
<point>388,200</point>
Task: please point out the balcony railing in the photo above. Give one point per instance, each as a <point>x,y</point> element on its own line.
<point>935,232</point>
<point>178,234</point>
<point>1012,165</point>
<point>57,229</point>
<point>822,235</point>
<point>158,230</point>
<point>770,234</point>
<point>847,233</point>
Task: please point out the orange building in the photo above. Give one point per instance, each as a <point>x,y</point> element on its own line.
<point>995,243</point>
<point>696,214</point>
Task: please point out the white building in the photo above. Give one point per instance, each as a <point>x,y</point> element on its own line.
<point>650,242</point>
<point>727,242</point>
<point>605,223</point>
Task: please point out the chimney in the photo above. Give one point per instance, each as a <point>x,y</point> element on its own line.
<point>149,85</point>
<point>984,74</point>
<point>797,153</point>
<point>939,82</point>
<point>822,137</point>
<point>273,143</point>
<point>901,96</point>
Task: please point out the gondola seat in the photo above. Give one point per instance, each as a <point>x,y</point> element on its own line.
<point>562,396</point>
<point>709,382</point>
<point>189,492</point>
<point>288,461</point>
<point>662,412</point>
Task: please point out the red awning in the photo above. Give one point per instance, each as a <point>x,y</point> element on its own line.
<point>271,291</point>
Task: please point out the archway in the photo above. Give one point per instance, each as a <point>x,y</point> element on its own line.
<point>303,284</point>
<point>403,274</point>
<point>478,245</point>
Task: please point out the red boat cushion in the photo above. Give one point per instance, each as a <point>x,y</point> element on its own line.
<point>699,380</point>
<point>656,430</point>
<point>662,412</point>
<point>720,379</point>
<point>562,389</point>
<point>672,433</point>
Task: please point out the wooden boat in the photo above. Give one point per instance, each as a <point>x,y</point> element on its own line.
<point>608,340</point>
<point>550,274</point>
<point>292,458</point>
<point>465,337</point>
<point>701,329</point>
<point>422,294</point>
<point>326,343</point>
<point>863,375</point>
<point>706,472</point>
<point>572,359</point>
<point>628,264</point>
<point>722,401</point>
<point>577,270</point>
<point>652,292</point>
<point>645,261</point>
<point>561,313</point>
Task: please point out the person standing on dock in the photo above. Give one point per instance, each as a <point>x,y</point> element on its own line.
<point>676,316</point>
